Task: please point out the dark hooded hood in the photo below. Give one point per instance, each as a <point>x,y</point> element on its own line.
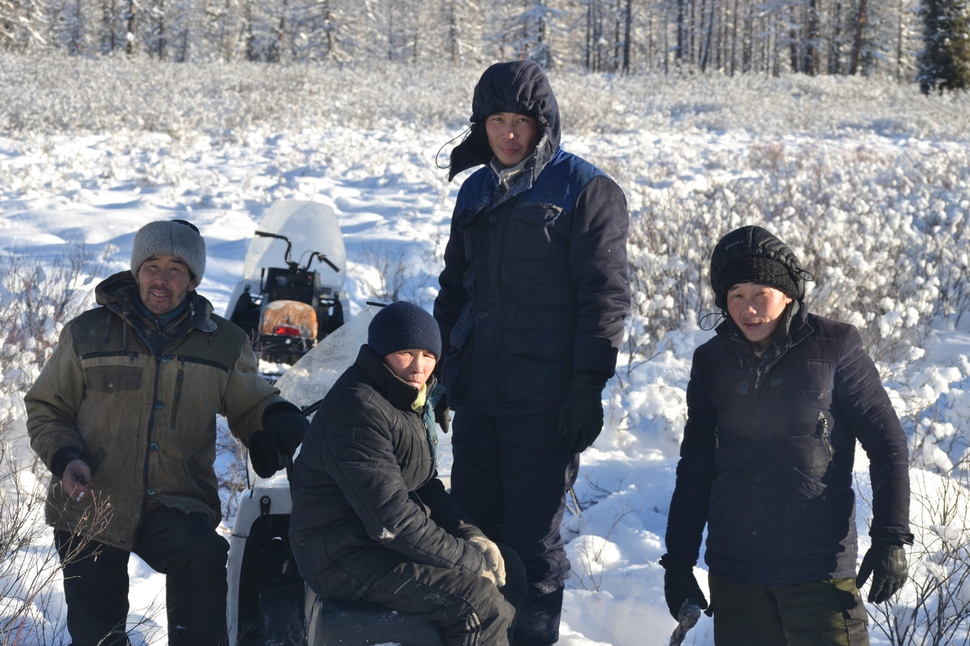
<point>518,86</point>
<point>753,255</point>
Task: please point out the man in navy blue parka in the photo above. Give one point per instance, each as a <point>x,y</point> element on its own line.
<point>532,304</point>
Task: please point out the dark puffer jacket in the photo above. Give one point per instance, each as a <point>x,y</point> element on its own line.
<point>365,489</point>
<point>535,282</point>
<point>768,450</point>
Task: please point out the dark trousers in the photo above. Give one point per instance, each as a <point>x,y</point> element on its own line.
<point>816,613</point>
<point>472,611</point>
<point>184,547</point>
<point>511,475</point>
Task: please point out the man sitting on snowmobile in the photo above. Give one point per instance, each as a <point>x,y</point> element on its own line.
<point>371,521</point>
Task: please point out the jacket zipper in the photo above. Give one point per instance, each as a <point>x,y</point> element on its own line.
<point>822,433</point>
<point>148,438</point>
<point>178,394</point>
<point>157,356</point>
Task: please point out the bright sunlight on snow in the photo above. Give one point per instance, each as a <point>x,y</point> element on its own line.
<point>868,182</point>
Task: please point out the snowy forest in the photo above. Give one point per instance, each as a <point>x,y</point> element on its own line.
<point>728,36</point>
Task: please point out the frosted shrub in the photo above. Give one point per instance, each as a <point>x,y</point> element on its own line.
<point>46,94</point>
<point>221,99</point>
<point>934,606</point>
<point>883,235</point>
<point>27,570</point>
<point>36,298</point>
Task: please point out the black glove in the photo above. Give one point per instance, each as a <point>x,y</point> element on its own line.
<point>680,585</point>
<point>886,562</point>
<point>287,426</point>
<point>442,414</point>
<point>265,454</point>
<point>581,415</point>
<point>271,449</point>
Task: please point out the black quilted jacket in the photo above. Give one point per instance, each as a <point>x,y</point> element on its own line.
<point>365,489</point>
<point>767,456</point>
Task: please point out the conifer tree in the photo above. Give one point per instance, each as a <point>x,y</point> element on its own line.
<point>944,63</point>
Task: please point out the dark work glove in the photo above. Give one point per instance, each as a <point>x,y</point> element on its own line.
<point>680,585</point>
<point>265,454</point>
<point>442,414</point>
<point>287,426</point>
<point>271,449</point>
<point>886,562</point>
<point>581,415</point>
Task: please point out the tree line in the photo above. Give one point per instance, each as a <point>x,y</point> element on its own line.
<point>900,38</point>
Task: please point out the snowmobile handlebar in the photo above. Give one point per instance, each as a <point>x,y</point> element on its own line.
<point>289,246</point>
<point>294,266</point>
<point>323,258</point>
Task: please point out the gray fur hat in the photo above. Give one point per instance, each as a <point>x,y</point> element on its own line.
<point>170,237</point>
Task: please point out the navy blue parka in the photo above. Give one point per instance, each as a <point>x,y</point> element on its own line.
<point>535,282</point>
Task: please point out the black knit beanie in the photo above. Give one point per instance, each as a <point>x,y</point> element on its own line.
<point>403,326</point>
<point>754,255</point>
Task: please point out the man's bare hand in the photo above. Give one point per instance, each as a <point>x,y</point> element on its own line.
<point>77,479</point>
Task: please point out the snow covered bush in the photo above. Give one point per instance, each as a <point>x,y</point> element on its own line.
<point>933,609</point>
<point>37,296</point>
<point>883,233</point>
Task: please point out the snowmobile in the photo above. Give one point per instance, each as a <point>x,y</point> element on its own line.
<point>268,603</point>
<point>287,307</point>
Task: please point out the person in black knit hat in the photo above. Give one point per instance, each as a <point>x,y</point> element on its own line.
<point>775,404</point>
<point>371,520</point>
<point>401,326</point>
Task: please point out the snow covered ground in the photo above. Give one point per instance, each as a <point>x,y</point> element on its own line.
<point>872,189</point>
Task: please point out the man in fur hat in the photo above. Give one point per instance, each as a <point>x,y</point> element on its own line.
<point>124,417</point>
<point>775,404</point>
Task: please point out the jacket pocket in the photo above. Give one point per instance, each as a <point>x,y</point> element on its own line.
<point>468,215</point>
<point>456,364</point>
<point>812,455</point>
<point>537,233</point>
<point>209,494</point>
<point>822,429</point>
<point>540,364</point>
<point>112,379</point>
<point>727,515</point>
<point>179,379</point>
<point>817,518</point>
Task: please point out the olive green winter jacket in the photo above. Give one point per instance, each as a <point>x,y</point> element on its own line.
<point>139,405</point>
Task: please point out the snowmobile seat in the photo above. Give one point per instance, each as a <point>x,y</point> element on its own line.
<point>350,623</point>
